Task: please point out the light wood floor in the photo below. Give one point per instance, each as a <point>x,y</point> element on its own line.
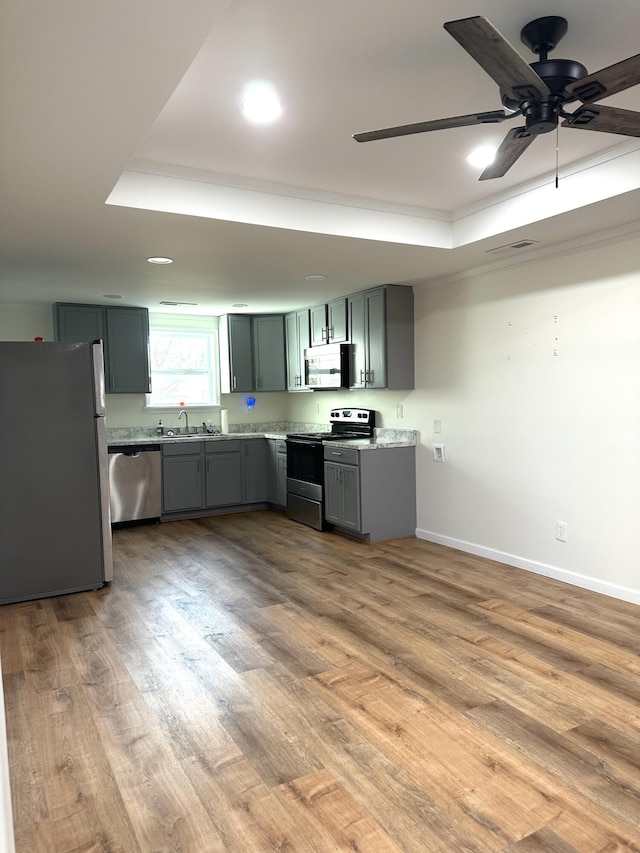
<point>247,684</point>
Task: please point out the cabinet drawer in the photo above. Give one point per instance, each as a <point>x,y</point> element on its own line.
<point>347,456</point>
<point>181,448</point>
<point>222,446</point>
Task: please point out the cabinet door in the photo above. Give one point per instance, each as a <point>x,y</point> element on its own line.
<point>376,374</point>
<point>281,468</point>
<point>239,356</point>
<point>181,483</point>
<point>350,487</point>
<point>127,351</point>
<point>318,320</point>
<point>332,493</point>
<point>223,479</point>
<point>268,352</point>
<point>272,471</point>
<point>297,341</point>
<point>337,321</point>
<point>255,471</point>
<point>358,338</point>
<point>78,323</point>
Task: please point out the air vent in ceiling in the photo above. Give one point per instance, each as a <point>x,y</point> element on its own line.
<point>166,302</point>
<point>512,247</point>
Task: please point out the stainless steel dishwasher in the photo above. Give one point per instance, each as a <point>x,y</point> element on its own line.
<point>135,482</point>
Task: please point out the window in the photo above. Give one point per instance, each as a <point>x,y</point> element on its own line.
<point>183,359</point>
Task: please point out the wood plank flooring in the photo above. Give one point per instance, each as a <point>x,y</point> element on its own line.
<point>247,684</point>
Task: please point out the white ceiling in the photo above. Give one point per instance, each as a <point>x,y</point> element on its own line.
<point>138,104</point>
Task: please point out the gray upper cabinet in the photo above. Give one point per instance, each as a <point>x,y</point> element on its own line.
<point>128,351</point>
<point>251,353</point>
<point>297,340</point>
<point>381,334</point>
<point>268,352</point>
<point>125,335</point>
<point>329,323</point>
<point>236,353</point>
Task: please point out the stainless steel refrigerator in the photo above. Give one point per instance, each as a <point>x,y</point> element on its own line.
<point>55,531</point>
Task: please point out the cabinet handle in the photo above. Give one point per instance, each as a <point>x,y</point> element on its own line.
<point>208,465</point>
<point>330,333</point>
<point>258,381</point>
<point>336,453</point>
<point>363,377</point>
<point>325,335</point>
<point>234,383</point>
<point>370,376</point>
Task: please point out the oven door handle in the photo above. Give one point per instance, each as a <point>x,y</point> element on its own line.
<point>302,441</point>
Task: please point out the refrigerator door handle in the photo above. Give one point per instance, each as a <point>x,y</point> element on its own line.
<point>98,377</point>
<point>105,503</point>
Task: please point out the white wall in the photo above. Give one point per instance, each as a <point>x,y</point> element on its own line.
<point>24,322</point>
<point>535,373</point>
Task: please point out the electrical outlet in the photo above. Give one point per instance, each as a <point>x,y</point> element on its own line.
<point>437,425</point>
<point>400,411</point>
<point>438,452</point>
<point>561,531</point>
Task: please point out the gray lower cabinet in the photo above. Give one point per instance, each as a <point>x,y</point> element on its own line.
<point>255,470</point>
<point>381,334</point>
<point>296,326</point>
<point>371,493</point>
<point>182,477</point>
<point>206,475</point>
<point>277,472</point>
<point>125,336</point>
<point>223,473</point>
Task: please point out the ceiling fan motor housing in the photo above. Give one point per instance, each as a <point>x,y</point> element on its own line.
<point>541,113</point>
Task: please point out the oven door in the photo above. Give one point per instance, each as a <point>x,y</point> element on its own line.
<point>305,461</point>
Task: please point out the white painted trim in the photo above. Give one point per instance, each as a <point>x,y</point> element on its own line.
<point>584,581</point>
<point>7,840</point>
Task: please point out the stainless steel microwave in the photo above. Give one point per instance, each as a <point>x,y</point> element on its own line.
<point>327,366</point>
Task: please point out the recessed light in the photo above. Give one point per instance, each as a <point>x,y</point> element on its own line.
<point>260,103</point>
<point>240,305</point>
<point>160,260</point>
<point>482,156</point>
<point>315,277</point>
<point>112,296</point>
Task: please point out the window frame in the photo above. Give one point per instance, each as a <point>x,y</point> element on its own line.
<point>184,325</point>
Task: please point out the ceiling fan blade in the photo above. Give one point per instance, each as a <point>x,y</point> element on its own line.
<point>605,119</point>
<point>607,81</point>
<point>513,145</point>
<point>438,124</point>
<point>500,60</point>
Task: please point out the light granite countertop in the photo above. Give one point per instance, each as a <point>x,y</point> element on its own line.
<point>383,438</point>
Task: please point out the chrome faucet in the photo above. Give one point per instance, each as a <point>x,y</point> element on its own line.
<point>186,419</point>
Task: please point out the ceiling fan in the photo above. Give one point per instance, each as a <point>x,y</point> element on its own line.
<point>538,92</point>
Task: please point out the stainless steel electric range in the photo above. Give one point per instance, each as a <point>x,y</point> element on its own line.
<point>305,463</point>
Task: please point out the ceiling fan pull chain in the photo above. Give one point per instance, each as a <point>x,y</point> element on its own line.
<point>557,150</point>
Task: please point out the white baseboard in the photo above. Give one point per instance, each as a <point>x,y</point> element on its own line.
<point>594,584</point>
<point>7,840</point>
